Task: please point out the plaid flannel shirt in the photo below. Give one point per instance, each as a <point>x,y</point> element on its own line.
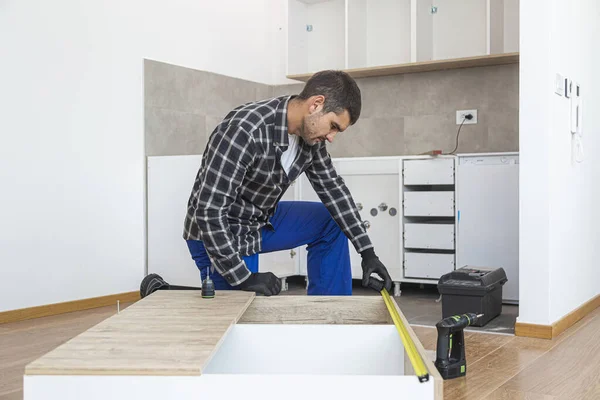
<point>241,180</point>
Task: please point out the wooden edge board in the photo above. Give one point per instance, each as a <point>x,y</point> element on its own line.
<point>66,307</point>
<point>424,66</point>
<point>542,331</point>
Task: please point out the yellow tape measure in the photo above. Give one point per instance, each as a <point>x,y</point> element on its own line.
<point>409,345</point>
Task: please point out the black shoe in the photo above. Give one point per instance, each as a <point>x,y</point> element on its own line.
<point>151,284</point>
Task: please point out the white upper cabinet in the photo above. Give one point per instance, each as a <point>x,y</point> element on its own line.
<point>378,32</point>
<point>316,35</point>
<point>358,34</point>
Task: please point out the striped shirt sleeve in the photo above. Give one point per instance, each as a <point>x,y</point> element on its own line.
<point>332,190</point>
<point>228,155</point>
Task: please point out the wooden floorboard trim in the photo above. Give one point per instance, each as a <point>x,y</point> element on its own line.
<point>575,316</point>
<point>551,331</point>
<point>66,307</point>
<point>533,330</point>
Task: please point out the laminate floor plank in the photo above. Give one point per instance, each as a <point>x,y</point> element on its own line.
<point>12,395</point>
<point>569,370</point>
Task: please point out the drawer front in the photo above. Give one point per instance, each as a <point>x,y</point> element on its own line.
<point>429,236</point>
<point>429,172</point>
<point>427,265</point>
<point>424,204</point>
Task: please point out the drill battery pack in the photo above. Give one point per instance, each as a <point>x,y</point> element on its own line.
<point>472,290</point>
<point>454,370</point>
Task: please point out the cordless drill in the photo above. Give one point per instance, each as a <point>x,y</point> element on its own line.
<point>450,359</point>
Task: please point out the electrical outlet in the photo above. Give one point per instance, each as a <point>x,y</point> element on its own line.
<point>460,115</point>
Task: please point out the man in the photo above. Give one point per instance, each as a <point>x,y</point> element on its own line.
<point>250,160</point>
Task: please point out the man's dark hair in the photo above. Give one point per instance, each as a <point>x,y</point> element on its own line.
<point>339,89</point>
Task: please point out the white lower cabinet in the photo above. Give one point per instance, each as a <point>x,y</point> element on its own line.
<point>407,203</point>
<point>374,185</point>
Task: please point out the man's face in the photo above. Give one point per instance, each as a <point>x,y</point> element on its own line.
<point>318,127</point>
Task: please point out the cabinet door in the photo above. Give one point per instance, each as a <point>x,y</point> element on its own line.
<point>379,32</point>
<point>374,185</point>
<point>488,227</point>
<point>285,262</point>
<point>459,29</point>
<point>316,35</point>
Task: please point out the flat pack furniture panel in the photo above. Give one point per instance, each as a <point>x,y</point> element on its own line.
<point>166,333</point>
<point>427,265</point>
<point>177,345</point>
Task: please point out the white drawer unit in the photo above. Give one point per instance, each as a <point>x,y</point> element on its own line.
<point>429,172</point>
<point>429,236</point>
<point>429,204</point>
<point>427,265</point>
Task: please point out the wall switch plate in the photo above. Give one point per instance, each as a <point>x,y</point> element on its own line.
<point>559,85</point>
<point>460,115</point>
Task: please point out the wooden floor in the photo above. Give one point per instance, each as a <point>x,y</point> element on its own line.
<point>499,366</point>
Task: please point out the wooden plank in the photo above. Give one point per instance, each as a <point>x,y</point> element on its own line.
<point>167,333</point>
<point>67,307</point>
<point>554,330</point>
<point>317,310</point>
<point>425,66</point>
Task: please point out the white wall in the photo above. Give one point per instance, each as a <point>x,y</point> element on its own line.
<point>72,154</point>
<point>558,233</point>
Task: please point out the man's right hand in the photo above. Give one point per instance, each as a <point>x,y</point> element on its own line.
<point>262,283</point>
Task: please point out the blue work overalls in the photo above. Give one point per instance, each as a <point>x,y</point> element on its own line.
<point>298,223</point>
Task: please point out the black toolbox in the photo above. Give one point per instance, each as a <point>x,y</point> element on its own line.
<point>474,290</point>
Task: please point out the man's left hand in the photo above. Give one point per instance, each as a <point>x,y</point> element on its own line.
<point>371,264</point>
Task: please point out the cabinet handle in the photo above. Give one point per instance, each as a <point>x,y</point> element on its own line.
<point>367,224</point>
<point>359,206</point>
<point>383,206</point>
<point>292,253</point>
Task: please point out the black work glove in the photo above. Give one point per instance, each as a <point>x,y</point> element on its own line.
<point>371,264</point>
<point>262,283</point>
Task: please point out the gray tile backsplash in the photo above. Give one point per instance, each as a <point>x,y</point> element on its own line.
<point>401,115</point>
